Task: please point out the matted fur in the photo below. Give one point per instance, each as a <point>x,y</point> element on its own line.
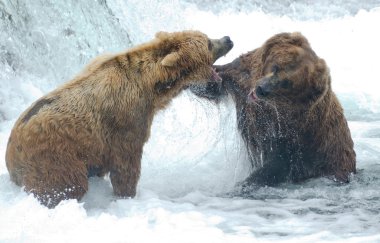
<point>294,128</point>
<point>99,121</point>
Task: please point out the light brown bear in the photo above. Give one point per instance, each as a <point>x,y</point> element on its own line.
<point>99,121</point>
<point>293,124</point>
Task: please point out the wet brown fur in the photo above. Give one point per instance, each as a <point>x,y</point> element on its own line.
<point>297,131</point>
<point>99,121</point>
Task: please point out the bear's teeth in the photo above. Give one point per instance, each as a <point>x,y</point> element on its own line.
<point>215,75</point>
<point>252,96</point>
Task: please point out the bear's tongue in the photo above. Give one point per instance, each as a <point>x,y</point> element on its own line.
<point>215,76</point>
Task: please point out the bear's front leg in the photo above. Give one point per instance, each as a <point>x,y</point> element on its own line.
<point>125,173</point>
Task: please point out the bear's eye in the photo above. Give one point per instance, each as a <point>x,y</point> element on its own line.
<point>286,84</point>
<point>275,69</point>
<point>209,45</point>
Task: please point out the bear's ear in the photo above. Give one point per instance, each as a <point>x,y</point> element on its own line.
<point>161,34</point>
<point>321,77</point>
<point>171,60</point>
<point>298,39</point>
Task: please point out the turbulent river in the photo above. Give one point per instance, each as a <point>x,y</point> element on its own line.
<point>195,156</point>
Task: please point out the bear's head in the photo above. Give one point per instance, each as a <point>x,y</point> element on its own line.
<point>189,55</point>
<point>290,72</point>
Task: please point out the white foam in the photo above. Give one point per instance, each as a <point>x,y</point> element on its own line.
<point>195,154</point>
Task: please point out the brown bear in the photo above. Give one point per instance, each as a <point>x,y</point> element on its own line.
<point>99,121</point>
<point>292,122</point>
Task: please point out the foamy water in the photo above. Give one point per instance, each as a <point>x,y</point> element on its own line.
<point>195,155</point>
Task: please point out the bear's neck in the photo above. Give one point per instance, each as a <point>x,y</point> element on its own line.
<point>323,109</point>
<point>166,91</point>
<point>316,111</point>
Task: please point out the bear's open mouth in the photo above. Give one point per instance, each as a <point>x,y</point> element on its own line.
<point>215,76</point>
<point>252,96</point>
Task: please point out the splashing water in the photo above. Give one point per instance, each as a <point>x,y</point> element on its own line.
<point>195,155</point>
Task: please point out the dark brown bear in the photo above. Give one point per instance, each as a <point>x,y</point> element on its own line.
<point>99,121</point>
<point>292,122</point>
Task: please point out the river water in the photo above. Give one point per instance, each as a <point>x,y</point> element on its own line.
<point>195,156</point>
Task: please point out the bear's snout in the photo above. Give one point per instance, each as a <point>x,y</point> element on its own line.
<point>262,91</point>
<point>228,42</point>
<point>264,86</point>
<point>221,47</point>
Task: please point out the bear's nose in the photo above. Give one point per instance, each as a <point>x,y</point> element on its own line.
<point>261,91</point>
<point>228,41</point>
